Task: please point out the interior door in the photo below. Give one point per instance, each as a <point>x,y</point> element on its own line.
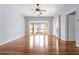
<point>59,34</point>
<point>77,36</point>
<point>71,28</point>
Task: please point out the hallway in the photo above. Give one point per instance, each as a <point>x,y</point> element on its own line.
<point>22,47</point>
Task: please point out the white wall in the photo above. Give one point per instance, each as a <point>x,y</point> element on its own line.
<point>11,23</point>
<point>49,19</point>
<point>63,12</point>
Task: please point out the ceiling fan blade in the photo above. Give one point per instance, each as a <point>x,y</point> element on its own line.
<point>33,9</point>
<point>43,10</point>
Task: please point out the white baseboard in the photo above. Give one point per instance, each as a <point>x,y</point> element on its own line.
<point>60,38</point>
<point>12,40</point>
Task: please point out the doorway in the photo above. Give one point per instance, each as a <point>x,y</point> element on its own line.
<point>38,27</point>
<point>71,20</point>
<point>39,31</point>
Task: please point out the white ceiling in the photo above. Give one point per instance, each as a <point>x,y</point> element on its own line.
<point>51,9</point>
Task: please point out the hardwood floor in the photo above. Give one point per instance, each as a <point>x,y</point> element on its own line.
<point>39,45</point>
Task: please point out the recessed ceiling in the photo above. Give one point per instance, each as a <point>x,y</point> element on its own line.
<point>26,9</point>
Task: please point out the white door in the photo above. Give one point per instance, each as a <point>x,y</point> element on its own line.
<point>77,32</point>
<point>71,28</point>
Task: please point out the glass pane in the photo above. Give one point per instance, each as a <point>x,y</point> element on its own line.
<point>42,27</point>
<point>35,28</point>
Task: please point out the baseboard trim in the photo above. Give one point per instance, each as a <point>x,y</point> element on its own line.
<point>64,40</point>
<point>12,40</point>
<point>59,38</point>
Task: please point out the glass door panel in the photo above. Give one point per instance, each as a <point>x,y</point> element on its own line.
<point>38,28</point>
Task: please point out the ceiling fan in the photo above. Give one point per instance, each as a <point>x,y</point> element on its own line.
<point>37,10</point>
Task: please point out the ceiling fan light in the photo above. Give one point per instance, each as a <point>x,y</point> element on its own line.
<point>38,12</point>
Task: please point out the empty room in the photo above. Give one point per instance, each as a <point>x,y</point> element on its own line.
<point>39,29</point>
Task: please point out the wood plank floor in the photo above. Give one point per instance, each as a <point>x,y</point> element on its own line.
<point>39,45</point>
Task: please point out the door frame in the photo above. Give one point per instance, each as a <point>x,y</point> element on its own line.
<point>67,23</point>
<point>59,20</point>
<point>39,22</point>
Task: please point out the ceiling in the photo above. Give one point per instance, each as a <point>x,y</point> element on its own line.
<point>26,9</point>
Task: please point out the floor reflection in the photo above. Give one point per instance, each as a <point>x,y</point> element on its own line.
<point>39,45</point>
<point>40,41</point>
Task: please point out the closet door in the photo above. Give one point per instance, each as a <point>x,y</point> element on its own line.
<point>77,32</point>
<point>71,28</point>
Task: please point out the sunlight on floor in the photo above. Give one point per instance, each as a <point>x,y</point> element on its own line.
<point>57,46</point>
<point>38,41</point>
